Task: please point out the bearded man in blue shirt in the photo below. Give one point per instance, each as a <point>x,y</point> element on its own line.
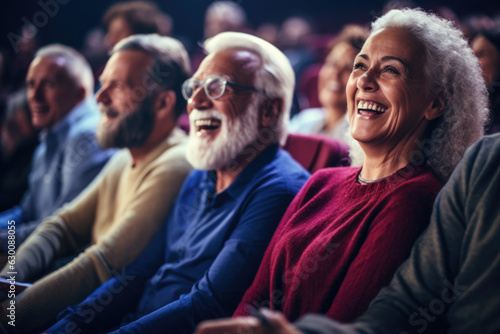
<point>214,240</point>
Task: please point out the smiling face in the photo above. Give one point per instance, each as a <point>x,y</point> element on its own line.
<point>334,75</point>
<point>221,128</point>
<point>51,92</point>
<point>389,103</point>
<point>126,105</point>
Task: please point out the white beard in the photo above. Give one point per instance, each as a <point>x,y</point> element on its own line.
<point>232,139</point>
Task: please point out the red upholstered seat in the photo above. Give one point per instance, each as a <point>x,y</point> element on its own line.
<point>314,152</point>
<point>307,86</point>
<point>183,122</point>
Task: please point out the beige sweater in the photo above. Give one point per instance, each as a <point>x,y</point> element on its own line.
<point>118,214</point>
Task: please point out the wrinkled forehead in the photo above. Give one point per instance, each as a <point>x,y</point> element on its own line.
<point>234,64</point>
<point>396,42</point>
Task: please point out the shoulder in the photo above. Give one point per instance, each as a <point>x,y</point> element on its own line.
<point>120,160</point>
<point>173,158</point>
<point>424,183</point>
<point>86,122</point>
<point>193,182</point>
<point>282,174</point>
<point>481,160</point>
<point>82,132</point>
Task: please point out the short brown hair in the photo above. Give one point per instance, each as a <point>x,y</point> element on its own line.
<point>143,17</point>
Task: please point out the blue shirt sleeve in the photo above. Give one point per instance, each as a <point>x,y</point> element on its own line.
<point>221,288</point>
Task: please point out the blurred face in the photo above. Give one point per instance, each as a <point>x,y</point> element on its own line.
<point>387,93</point>
<point>221,128</point>
<point>125,101</point>
<point>334,75</point>
<point>51,92</point>
<point>118,29</point>
<point>489,58</point>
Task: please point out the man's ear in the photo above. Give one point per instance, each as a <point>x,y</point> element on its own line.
<point>436,109</point>
<point>164,104</point>
<point>271,111</point>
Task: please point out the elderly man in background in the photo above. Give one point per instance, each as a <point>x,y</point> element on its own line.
<point>59,90</point>
<point>238,104</point>
<point>120,212</point>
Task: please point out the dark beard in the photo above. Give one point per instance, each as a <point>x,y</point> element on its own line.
<point>132,130</point>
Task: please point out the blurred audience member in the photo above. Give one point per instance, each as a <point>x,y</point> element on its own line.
<point>293,37</point>
<point>227,210</point>
<point>220,16</point>
<point>95,51</point>
<point>269,32</point>
<point>5,79</point>
<point>18,142</point>
<point>478,22</point>
<point>60,90</point>
<point>224,16</point>
<point>134,17</point>
<point>121,211</point>
<point>27,47</point>
<point>331,119</point>
<point>486,46</point>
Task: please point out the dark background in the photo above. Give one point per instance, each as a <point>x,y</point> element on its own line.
<point>76,17</point>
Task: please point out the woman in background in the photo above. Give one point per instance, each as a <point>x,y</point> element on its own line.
<point>330,119</point>
<point>486,46</point>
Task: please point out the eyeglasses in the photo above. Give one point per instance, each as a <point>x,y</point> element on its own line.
<point>214,87</point>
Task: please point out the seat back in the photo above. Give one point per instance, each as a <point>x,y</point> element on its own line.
<point>314,152</point>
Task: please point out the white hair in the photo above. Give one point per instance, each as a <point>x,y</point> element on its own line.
<point>452,70</point>
<point>76,66</point>
<point>171,65</point>
<point>276,76</point>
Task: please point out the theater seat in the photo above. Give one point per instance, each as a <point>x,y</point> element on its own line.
<point>307,86</point>
<point>316,152</point>
<point>183,122</point>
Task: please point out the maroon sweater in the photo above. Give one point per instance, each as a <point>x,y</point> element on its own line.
<point>340,242</point>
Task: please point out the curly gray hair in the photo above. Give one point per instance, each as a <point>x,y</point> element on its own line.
<point>452,70</point>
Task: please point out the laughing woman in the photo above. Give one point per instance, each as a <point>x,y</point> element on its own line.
<point>416,101</point>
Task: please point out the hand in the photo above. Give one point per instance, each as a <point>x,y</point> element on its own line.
<point>248,325</point>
